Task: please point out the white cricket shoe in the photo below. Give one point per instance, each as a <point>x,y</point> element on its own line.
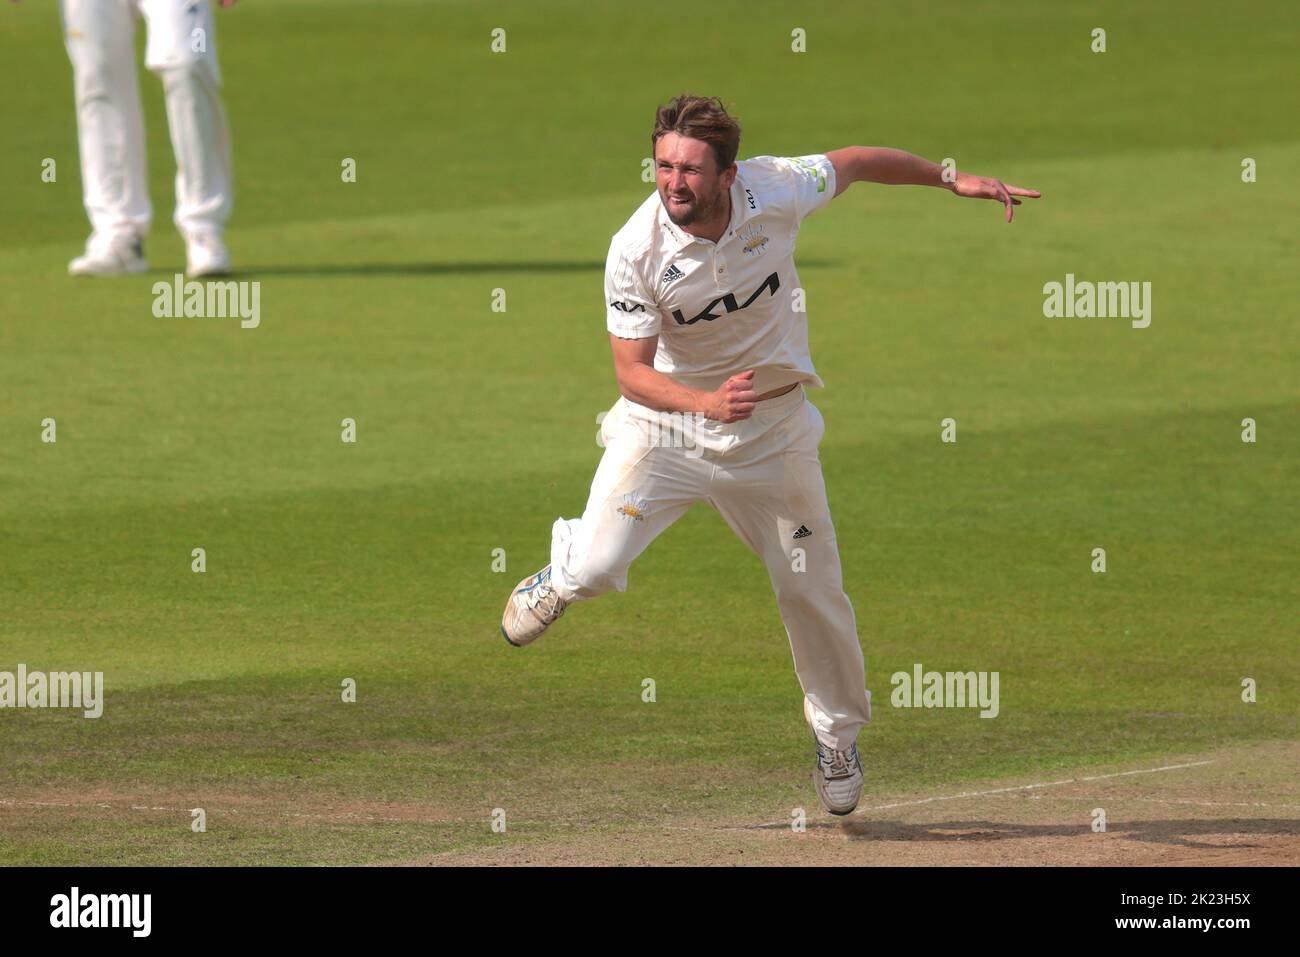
<point>206,255</point>
<point>838,778</point>
<point>117,255</point>
<point>533,605</point>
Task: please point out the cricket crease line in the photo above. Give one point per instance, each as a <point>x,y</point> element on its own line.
<point>1030,787</point>
<point>341,815</point>
<point>338,816</point>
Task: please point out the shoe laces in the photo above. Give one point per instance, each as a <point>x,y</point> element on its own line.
<point>542,599</point>
<point>838,764</point>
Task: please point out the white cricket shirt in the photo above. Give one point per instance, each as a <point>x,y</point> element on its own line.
<point>725,307</point>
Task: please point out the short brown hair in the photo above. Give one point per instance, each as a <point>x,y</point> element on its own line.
<point>700,118</point>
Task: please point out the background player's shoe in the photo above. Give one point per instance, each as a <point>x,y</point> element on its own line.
<point>117,255</point>
<point>838,778</point>
<point>206,255</point>
<point>533,605</point>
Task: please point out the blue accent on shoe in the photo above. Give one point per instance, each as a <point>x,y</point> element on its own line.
<point>507,638</point>
<point>529,588</point>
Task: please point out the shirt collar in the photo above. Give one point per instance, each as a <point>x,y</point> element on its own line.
<point>744,206</point>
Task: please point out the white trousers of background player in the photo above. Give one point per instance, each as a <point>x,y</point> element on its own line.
<point>766,488</point>
<point>100,37</point>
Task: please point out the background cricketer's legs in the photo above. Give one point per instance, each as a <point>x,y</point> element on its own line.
<point>767,490</point>
<point>100,39</point>
<point>638,491</point>
<point>182,49</point>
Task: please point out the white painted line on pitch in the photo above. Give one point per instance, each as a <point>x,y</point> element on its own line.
<point>1030,787</point>
<point>334,816</point>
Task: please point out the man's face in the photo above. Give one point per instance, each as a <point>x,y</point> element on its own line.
<point>690,183</point>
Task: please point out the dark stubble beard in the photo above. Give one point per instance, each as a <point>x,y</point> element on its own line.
<point>698,211</point>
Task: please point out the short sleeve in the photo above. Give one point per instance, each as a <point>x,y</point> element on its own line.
<point>812,178</point>
<point>630,309</point>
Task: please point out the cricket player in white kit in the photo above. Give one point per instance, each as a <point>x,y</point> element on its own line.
<point>181,49</point>
<point>710,342</point>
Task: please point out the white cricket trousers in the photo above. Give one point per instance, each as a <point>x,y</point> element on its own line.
<point>764,476</point>
<point>181,48</point>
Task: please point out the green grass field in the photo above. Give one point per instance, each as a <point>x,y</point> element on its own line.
<point>476,429</point>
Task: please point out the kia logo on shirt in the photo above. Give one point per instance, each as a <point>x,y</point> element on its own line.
<point>728,303</point>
